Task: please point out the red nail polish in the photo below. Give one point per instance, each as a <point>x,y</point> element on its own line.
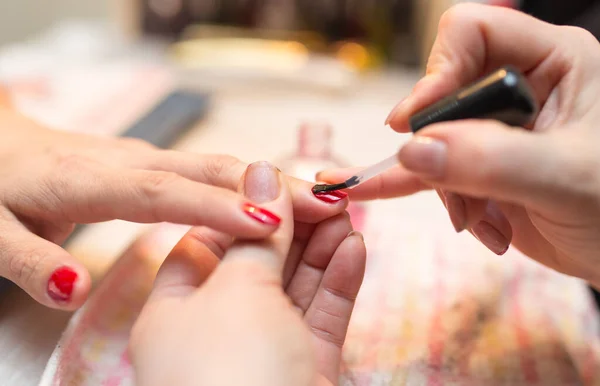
<point>261,215</point>
<point>331,197</point>
<point>60,285</point>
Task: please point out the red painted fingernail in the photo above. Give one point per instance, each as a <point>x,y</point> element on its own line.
<point>261,215</point>
<point>331,197</point>
<point>60,285</point>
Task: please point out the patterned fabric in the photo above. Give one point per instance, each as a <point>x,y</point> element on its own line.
<point>435,309</point>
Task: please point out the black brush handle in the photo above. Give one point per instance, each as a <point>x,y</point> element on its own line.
<point>504,95</point>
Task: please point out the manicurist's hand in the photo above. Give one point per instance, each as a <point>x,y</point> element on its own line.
<point>539,188</point>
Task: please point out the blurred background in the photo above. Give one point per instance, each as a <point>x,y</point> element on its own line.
<point>305,84</point>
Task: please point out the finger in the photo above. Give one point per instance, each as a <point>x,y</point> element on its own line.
<point>464,211</point>
<point>213,169</point>
<point>226,172</point>
<point>494,230</point>
<point>44,270</point>
<point>528,239</point>
<point>396,182</point>
<point>487,159</point>
<point>326,239</point>
<point>486,221</point>
<point>302,234</point>
<point>475,39</point>
<point>329,314</point>
<point>190,263</point>
<point>264,184</point>
<point>94,193</point>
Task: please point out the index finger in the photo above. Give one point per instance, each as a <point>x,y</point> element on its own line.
<point>474,39</point>
<point>396,182</point>
<point>226,172</point>
<point>88,193</point>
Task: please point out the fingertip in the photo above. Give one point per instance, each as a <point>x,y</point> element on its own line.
<point>67,287</point>
<point>312,209</point>
<point>400,126</point>
<point>398,118</point>
<point>345,272</point>
<point>494,231</point>
<point>357,243</point>
<point>354,249</point>
<point>356,234</point>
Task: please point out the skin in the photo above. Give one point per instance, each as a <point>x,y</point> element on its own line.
<point>64,178</point>
<point>539,188</point>
<point>273,312</point>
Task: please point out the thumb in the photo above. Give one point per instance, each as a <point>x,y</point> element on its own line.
<point>263,184</point>
<point>199,252</point>
<point>190,263</point>
<point>486,159</point>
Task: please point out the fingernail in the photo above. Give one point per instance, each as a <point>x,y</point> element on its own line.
<point>491,237</point>
<point>457,210</point>
<point>425,156</point>
<point>394,112</point>
<point>261,215</point>
<point>356,234</point>
<point>261,182</point>
<point>331,197</point>
<point>61,283</point>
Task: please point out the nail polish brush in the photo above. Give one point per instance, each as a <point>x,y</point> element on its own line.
<point>503,95</point>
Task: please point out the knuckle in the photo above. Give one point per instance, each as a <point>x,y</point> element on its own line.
<point>456,14</point>
<point>330,327</point>
<point>58,184</point>
<point>155,184</point>
<point>582,35</point>
<point>71,163</point>
<point>217,165</point>
<point>23,267</point>
<point>214,244</point>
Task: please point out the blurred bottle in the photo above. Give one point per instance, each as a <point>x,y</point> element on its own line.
<point>164,18</point>
<point>277,15</point>
<point>314,154</point>
<point>403,48</point>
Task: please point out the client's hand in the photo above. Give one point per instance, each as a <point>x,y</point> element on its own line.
<point>51,180</point>
<point>274,312</point>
